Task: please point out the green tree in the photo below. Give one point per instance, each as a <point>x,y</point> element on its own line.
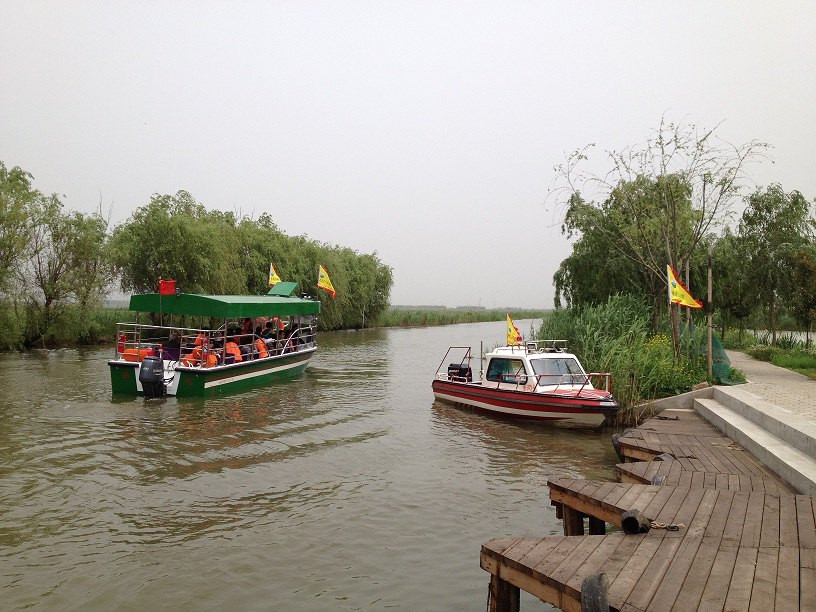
<point>659,200</point>
<point>174,237</point>
<point>734,295</point>
<point>803,297</point>
<point>65,264</point>
<point>773,227</point>
<point>16,199</point>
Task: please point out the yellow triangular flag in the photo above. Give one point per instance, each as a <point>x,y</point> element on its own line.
<point>274,279</point>
<point>678,294</point>
<point>323,281</point>
<point>513,334</point>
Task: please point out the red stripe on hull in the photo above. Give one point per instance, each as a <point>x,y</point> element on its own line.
<point>534,402</point>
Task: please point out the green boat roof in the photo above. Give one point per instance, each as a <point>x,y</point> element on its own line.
<point>224,306</point>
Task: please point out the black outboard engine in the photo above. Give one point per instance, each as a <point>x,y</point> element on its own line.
<point>459,372</point>
<point>151,375</point>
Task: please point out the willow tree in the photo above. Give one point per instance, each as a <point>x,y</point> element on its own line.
<point>774,226</point>
<point>657,200</point>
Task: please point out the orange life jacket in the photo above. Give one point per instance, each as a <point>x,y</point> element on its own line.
<point>260,346</point>
<point>232,349</point>
<point>200,338</point>
<point>196,357</point>
<point>193,358</point>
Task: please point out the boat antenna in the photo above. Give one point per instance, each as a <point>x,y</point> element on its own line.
<point>481,359</point>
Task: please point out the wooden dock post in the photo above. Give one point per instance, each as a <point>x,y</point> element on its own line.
<point>504,597</point>
<point>573,521</point>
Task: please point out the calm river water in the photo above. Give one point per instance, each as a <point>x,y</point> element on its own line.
<point>347,489</point>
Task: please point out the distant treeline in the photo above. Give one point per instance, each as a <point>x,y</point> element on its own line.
<point>57,266</point>
<point>404,316</point>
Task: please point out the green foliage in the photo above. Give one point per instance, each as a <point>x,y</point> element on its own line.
<point>16,200</point>
<point>798,360</point>
<point>422,317</point>
<point>763,352</point>
<point>615,337</point>
<point>774,226</point>
<point>213,252</point>
<point>659,202</point>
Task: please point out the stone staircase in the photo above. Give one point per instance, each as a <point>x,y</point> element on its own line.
<point>782,440</point>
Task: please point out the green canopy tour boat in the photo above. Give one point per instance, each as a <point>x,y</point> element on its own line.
<point>226,342</point>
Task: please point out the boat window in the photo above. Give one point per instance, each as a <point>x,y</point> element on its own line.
<point>558,371</point>
<point>507,370</point>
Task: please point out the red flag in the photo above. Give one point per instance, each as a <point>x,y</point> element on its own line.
<point>167,287</point>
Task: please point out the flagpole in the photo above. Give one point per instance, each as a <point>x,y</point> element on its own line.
<point>710,314</point>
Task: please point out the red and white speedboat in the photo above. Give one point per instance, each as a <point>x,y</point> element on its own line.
<point>535,380</point>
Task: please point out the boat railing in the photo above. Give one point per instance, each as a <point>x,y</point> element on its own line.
<point>545,346</point>
<point>456,368</point>
<point>595,380</point>
<point>205,347</point>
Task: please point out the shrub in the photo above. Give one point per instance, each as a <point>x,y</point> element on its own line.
<point>763,352</point>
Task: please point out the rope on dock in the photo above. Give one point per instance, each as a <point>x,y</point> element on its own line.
<point>666,526</point>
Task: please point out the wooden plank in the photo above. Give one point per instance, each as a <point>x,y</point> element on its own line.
<point>610,501</point>
<point>627,501</point>
<point>679,497</point>
<point>805,522</point>
<point>719,576</point>
<point>541,569</point>
<point>599,560</point>
<point>675,470</point>
<point>752,528</point>
<point>588,508</point>
<point>522,547</point>
<point>742,579</point>
<point>690,590</point>
<point>654,572</point>
<point>807,577</point>
<point>539,551</point>
<point>658,501</point>
<point>719,515</point>
<point>629,574</point>
<point>524,581</point>
<point>560,574</point>
<point>788,526</point>
<point>769,535</point>
<point>646,495</point>
<point>734,482</point>
<point>732,533</point>
<point>763,589</point>
<point>787,580</point>
<point>603,491</point>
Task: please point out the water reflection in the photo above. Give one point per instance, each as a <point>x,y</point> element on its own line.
<point>349,485</point>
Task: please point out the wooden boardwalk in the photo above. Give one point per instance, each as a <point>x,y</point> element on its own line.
<point>743,539</point>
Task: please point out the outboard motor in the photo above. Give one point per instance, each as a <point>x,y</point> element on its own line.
<point>151,375</point>
<point>459,372</point>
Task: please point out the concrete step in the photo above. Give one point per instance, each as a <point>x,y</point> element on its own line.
<point>788,426</point>
<point>795,467</point>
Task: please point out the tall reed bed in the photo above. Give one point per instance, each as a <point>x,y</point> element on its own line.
<point>615,337</point>
<point>446,316</point>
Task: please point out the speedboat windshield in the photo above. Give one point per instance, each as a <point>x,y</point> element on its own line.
<point>555,371</point>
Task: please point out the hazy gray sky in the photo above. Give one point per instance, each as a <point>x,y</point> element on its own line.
<point>424,131</point>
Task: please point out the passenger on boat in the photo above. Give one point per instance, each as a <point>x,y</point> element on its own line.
<point>202,337</point>
<point>172,348</point>
<point>197,357</point>
<point>270,335</point>
<point>260,347</point>
<point>232,353</point>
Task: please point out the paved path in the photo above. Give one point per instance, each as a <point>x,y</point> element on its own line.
<point>776,385</point>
